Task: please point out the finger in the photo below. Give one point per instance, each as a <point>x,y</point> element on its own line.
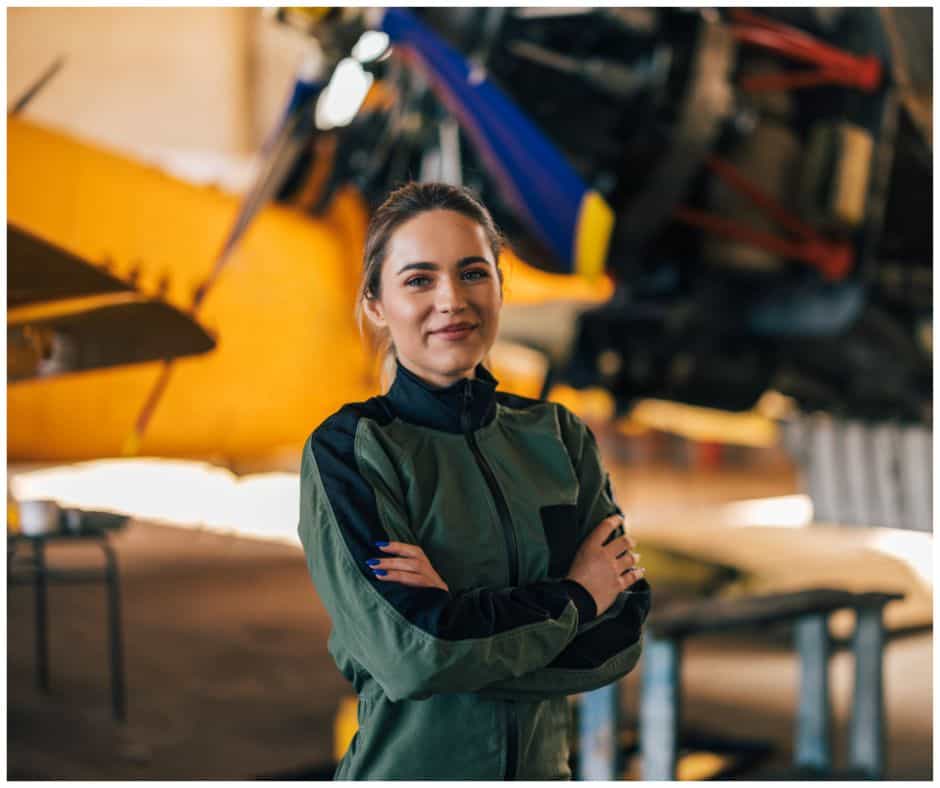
<point>401,548</point>
<point>404,564</point>
<point>408,579</point>
<point>604,527</point>
<point>620,545</point>
<point>627,560</point>
<point>632,575</point>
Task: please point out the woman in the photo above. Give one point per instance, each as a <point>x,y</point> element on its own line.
<point>465,541</point>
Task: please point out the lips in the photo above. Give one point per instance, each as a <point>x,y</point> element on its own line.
<point>455,330</point>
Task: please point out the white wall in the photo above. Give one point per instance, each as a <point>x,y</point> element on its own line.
<point>156,82</point>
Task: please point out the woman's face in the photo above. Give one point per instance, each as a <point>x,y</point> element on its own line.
<point>440,296</point>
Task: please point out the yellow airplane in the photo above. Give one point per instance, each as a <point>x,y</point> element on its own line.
<point>287,352</point>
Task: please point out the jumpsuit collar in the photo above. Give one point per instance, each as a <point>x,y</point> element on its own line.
<point>464,406</point>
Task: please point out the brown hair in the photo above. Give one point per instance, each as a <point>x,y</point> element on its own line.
<point>400,205</point>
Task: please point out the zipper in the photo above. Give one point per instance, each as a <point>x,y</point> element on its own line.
<point>501,508</point>
<point>512,740</point>
<point>512,549</point>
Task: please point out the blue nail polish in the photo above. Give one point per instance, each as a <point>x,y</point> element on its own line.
<point>380,571</point>
<point>373,561</point>
<point>381,544</point>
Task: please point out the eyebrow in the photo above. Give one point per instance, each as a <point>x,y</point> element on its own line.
<point>426,266</point>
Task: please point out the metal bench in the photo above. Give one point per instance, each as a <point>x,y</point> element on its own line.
<point>661,681</point>
<point>33,570</point>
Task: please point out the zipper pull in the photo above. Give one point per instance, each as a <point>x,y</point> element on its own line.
<point>465,414</point>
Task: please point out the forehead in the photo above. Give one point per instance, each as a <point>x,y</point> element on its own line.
<point>438,236</point>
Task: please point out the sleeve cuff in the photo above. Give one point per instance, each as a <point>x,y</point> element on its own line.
<point>587,609</point>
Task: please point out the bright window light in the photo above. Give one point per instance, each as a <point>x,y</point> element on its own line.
<point>177,492</point>
<point>915,548</point>
<point>785,511</point>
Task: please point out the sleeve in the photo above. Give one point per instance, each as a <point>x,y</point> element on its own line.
<point>607,647</point>
<point>413,641</point>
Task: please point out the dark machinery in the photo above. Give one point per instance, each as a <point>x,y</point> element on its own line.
<point>757,183</point>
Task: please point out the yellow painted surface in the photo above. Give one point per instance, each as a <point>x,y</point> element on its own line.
<point>852,174</point>
<point>592,235</point>
<point>705,424</point>
<point>525,284</point>
<point>699,766</point>
<point>345,725</point>
<point>48,310</point>
<point>288,351</point>
<point>593,403</point>
<point>13,517</point>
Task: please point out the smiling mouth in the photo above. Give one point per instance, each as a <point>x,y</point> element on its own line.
<point>456,333</point>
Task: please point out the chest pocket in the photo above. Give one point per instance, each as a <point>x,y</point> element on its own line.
<point>541,489</point>
<point>561,529</point>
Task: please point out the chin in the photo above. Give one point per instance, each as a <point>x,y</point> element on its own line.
<point>459,364</point>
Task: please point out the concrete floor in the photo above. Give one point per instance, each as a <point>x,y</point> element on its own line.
<point>227,670</point>
<point>229,677</point>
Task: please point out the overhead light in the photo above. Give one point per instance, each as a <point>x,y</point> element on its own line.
<point>371,46</point>
<point>342,98</point>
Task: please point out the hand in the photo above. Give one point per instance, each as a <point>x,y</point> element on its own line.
<point>606,570</point>
<point>412,569</point>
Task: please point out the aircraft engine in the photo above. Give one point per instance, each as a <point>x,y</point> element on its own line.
<point>757,183</point>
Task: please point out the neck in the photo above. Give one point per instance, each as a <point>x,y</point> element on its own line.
<point>438,381</point>
<point>467,402</point>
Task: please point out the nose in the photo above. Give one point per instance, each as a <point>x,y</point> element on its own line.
<point>450,296</point>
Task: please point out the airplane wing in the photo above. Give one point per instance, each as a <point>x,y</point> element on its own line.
<point>67,315</point>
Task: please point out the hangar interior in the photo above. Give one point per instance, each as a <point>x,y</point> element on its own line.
<point>719,255</point>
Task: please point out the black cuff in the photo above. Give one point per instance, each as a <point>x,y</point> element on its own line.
<point>587,608</point>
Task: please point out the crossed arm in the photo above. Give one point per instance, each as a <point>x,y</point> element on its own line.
<point>411,634</point>
<point>605,568</point>
<point>605,648</point>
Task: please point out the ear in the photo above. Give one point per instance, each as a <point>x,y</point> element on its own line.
<point>374,311</point>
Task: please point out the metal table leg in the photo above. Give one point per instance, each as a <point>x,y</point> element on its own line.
<point>42,633</point>
<point>659,708</point>
<point>118,701</point>
<point>598,735</point>
<point>812,747</point>
<point>866,726</point>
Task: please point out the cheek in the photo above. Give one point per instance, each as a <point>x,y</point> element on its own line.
<point>493,330</point>
<point>405,317</point>
<point>493,308</point>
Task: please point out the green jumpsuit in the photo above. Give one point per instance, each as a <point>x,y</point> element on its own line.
<point>499,491</point>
